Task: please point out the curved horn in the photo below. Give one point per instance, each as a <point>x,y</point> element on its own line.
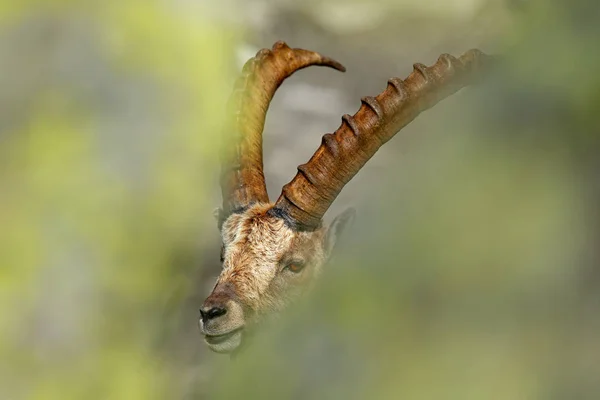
<point>304,200</point>
<point>242,178</point>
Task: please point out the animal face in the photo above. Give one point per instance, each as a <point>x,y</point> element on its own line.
<point>266,265</point>
<point>272,251</point>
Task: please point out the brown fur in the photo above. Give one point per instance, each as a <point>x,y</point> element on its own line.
<point>257,249</point>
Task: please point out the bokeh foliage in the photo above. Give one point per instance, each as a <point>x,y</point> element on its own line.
<point>471,273</point>
<point>95,197</point>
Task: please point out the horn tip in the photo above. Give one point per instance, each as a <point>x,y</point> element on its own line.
<point>335,65</point>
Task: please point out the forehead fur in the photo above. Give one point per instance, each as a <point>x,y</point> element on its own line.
<point>255,226</point>
<point>254,245</point>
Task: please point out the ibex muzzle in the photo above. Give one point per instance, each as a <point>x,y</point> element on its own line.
<point>273,251</point>
<point>222,319</point>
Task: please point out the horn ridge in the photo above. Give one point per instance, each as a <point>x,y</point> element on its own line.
<point>242,177</point>
<point>342,154</point>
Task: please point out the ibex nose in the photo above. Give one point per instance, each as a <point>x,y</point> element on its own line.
<point>209,312</point>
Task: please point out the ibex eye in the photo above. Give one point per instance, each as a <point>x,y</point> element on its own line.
<point>295,267</point>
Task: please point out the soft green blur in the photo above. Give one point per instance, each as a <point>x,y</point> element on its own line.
<point>471,272</point>
<point>96,198</point>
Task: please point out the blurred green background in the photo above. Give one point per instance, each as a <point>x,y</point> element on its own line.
<point>471,272</point>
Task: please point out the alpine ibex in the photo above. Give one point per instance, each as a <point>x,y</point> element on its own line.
<point>271,251</point>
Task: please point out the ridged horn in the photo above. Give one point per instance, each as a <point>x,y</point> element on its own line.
<point>305,199</point>
<point>242,177</point>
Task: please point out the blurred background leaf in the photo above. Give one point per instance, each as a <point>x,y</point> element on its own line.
<point>471,272</point>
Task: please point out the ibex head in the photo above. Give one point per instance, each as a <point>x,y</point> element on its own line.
<point>272,251</point>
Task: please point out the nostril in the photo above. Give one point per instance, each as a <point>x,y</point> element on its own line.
<point>212,312</point>
<point>216,312</point>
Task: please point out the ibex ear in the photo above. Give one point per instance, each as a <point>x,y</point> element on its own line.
<point>219,216</point>
<point>337,227</point>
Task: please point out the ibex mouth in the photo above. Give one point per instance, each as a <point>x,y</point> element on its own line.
<point>225,343</point>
